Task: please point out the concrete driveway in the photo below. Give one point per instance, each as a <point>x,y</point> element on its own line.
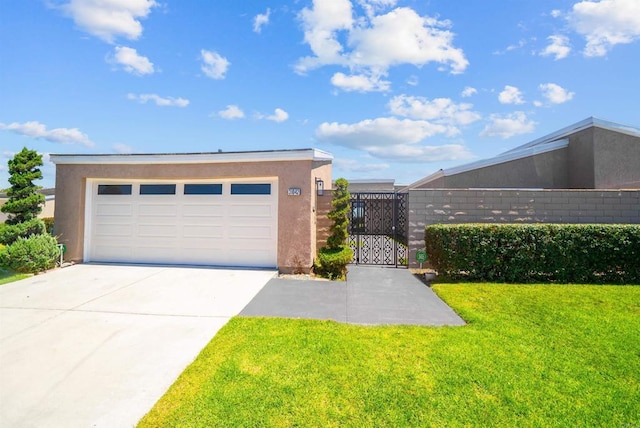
<point>97,345</point>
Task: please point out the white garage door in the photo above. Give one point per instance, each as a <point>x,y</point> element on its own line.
<point>223,222</point>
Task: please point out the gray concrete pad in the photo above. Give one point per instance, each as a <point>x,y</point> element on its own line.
<point>371,295</point>
<point>98,345</point>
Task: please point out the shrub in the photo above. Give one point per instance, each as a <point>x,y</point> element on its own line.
<point>34,254</point>
<point>332,262</point>
<point>536,252</point>
<point>48,224</point>
<point>11,232</point>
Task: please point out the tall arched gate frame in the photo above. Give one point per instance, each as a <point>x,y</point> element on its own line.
<point>378,228</point>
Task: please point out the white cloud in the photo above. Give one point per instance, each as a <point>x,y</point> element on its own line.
<point>371,7</point>
<point>160,101</point>
<point>37,130</point>
<point>391,138</point>
<point>108,19</point>
<point>555,94</point>
<point>360,83</point>
<point>214,65</point>
<point>404,37</point>
<point>556,13</point>
<point>132,63</point>
<point>506,126</point>
<point>521,43</point>
<point>606,23</point>
<point>413,80</point>
<point>510,95</point>
<point>558,47</point>
<point>260,20</point>
<point>231,112</point>
<point>468,91</point>
<point>278,115</point>
<point>370,45</point>
<point>442,111</point>
<point>122,148</point>
<point>356,166</point>
<point>321,24</point>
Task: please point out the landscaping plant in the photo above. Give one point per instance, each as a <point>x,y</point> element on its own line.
<point>333,259</point>
<point>585,253</point>
<point>28,248</point>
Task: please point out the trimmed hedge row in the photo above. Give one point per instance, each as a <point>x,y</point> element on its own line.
<point>598,253</point>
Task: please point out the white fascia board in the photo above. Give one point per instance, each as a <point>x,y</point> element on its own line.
<point>193,158</point>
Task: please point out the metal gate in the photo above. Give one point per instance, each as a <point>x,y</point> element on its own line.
<point>378,228</point>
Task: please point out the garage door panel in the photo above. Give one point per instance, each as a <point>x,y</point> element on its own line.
<point>158,230</point>
<point>213,229</point>
<point>158,210</point>
<point>204,233</point>
<point>110,209</point>
<point>204,210</point>
<point>110,230</point>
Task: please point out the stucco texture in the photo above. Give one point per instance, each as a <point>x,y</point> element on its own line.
<point>296,214</point>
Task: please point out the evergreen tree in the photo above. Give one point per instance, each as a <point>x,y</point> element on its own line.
<point>339,215</point>
<point>25,203</point>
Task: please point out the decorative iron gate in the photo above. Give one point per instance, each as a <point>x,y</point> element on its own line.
<point>378,228</point>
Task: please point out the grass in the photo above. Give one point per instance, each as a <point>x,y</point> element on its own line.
<point>7,276</point>
<point>530,356</point>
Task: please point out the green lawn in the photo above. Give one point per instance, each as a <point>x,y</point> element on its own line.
<point>536,356</point>
<point>9,276</point>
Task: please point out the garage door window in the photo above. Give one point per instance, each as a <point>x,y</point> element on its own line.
<point>157,189</point>
<point>114,189</point>
<point>251,189</point>
<point>203,189</point>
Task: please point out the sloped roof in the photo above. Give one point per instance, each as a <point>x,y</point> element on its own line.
<point>554,141</point>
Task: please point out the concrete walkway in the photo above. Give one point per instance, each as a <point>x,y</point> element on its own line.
<point>371,295</point>
<point>98,345</point>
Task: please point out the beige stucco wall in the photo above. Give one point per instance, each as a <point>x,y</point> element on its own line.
<point>545,170</point>
<point>616,160</point>
<point>296,217</point>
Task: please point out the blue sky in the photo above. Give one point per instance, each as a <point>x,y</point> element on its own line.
<point>394,89</point>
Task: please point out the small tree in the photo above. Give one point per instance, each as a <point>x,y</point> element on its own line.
<point>25,203</point>
<point>29,248</point>
<point>333,259</point>
<point>339,215</point>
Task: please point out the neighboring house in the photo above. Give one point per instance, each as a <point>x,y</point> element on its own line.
<point>372,185</point>
<point>586,173</point>
<point>592,154</point>
<point>47,209</point>
<point>225,209</point>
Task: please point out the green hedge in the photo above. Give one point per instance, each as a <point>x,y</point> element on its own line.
<point>536,252</point>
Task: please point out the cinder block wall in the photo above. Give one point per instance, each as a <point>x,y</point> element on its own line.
<point>431,206</point>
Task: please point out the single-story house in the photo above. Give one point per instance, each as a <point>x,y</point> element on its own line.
<point>591,154</point>
<point>253,208</point>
